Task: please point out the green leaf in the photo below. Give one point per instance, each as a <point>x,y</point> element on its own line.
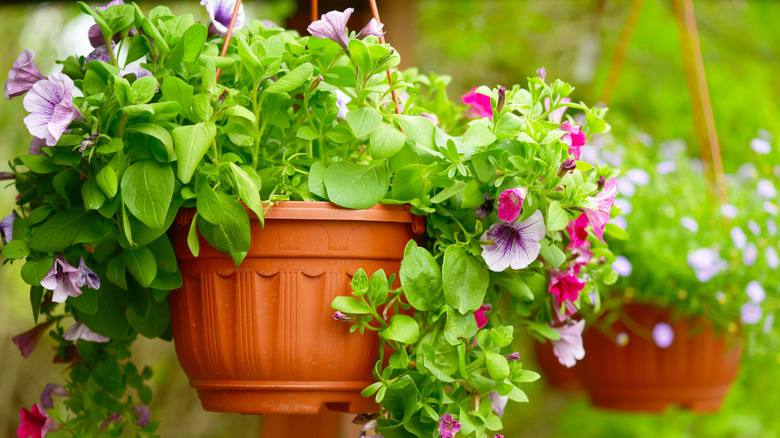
<point>87,302</point>
<point>16,249</point>
<point>478,135</point>
<point>58,232</point>
<point>316,179</point>
<point>155,131</point>
<point>247,190</point>
<point>358,54</point>
<point>209,204</point>
<point>465,280</point>
<point>116,272</point>
<point>356,186</point>
<point>193,242</point>
<point>144,89</point>
<point>363,121</point>
<point>459,326</point>
<point>497,366</point>
<point>545,330</point>
<point>109,319</point>
<point>385,141</point>
<point>378,289</point>
<point>231,235</point>
<point>615,231</point>
<point>583,166</point>
<point>421,278</point>
<point>156,322</point>
<point>162,249</point>
<point>557,219</point>
<point>34,270</point>
<point>123,91</point>
<point>291,80</point>
<point>107,181</point>
<point>147,191</point>
<point>176,90</point>
<point>92,195</point>
<point>141,264</point>
<point>417,129</point>
<point>191,143</point>
<point>349,305</point>
<point>552,254</point>
<point>403,328</point>
<point>410,182</point>
<point>39,164</point>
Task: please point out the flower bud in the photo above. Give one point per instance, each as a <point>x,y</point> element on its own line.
<point>501,99</point>
<point>542,73</point>
<point>513,356</point>
<point>601,182</point>
<point>222,96</point>
<point>484,210</point>
<point>566,166</point>
<point>341,316</point>
<point>315,83</point>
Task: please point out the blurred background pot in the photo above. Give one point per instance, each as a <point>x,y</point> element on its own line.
<point>694,371</point>
<point>557,376</point>
<point>260,337</point>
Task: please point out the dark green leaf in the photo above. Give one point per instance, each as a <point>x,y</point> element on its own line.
<point>191,143</point>
<point>141,264</point>
<point>465,280</point>
<point>147,190</point>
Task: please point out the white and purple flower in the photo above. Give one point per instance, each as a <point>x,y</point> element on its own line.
<point>755,292</point>
<point>706,263</point>
<point>332,26</point>
<point>750,255</point>
<point>7,226</point>
<point>568,349</point>
<point>139,72</point>
<point>622,266</point>
<point>88,277</point>
<point>50,103</point>
<point>772,259</point>
<point>738,237</point>
<point>639,177</point>
<point>690,224</point>
<point>663,335</point>
<point>666,167</point>
<point>221,12</point>
<point>63,279</point>
<point>514,245</point>
<point>80,331</point>
<point>760,145</point>
<point>766,189</point>
<point>498,403</point>
<point>342,99</point>
<point>750,313</point>
<point>729,211</point>
<point>50,390</point>
<point>373,28</point>
<point>22,76</point>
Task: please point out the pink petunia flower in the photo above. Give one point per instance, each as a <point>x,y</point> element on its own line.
<point>448,426</point>
<point>332,26</point>
<point>565,285</point>
<point>50,103</point>
<point>556,115</point>
<point>480,317</point>
<point>35,423</point>
<point>22,76</point>
<point>63,279</point>
<point>510,202</point>
<point>80,331</point>
<point>577,230</point>
<point>573,137</point>
<point>569,309</point>
<point>515,245</point>
<point>29,339</point>
<point>480,104</point>
<point>568,349</point>
<point>599,216</point>
<point>144,415</point>
<point>373,28</point>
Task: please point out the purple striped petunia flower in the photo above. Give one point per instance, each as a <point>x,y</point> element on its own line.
<point>63,279</point>
<point>221,12</point>
<point>80,331</point>
<point>332,26</point>
<point>515,245</point>
<point>22,76</point>
<point>50,103</point>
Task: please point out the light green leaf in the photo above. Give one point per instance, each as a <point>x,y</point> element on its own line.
<point>557,219</point>
<point>403,328</point>
<point>356,186</point>
<point>497,366</point>
<point>385,141</point>
<point>291,80</point>
<point>147,190</point>
<point>421,278</point>
<point>349,305</point>
<point>363,121</point>
<point>465,280</point>
<point>191,143</point>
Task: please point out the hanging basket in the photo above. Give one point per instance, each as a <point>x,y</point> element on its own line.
<point>260,338</point>
<point>695,371</point>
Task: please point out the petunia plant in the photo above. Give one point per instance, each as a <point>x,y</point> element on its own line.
<point>154,120</point>
<point>720,261</point>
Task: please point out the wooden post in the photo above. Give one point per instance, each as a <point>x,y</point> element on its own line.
<point>619,57</point>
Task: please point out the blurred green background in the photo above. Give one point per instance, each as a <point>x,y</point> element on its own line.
<point>476,42</point>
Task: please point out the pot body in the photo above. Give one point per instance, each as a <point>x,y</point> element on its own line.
<point>695,371</point>
<point>260,337</point>
<point>558,376</point>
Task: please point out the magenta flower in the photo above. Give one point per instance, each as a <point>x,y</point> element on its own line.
<point>498,403</point>
<point>573,137</point>
<point>29,339</point>
<point>63,279</point>
<point>569,309</point>
<point>480,317</point>
<point>578,232</point>
<point>95,36</point>
<point>568,349</point>
<point>110,419</point>
<point>599,216</point>
<point>510,202</point>
<point>498,435</point>
<point>88,277</point>
<point>7,226</point>
<point>81,331</point>
<point>371,29</point>
<point>480,104</point>
<point>565,285</point>
<point>663,335</point>
<point>50,390</point>
<point>22,76</point>
<point>50,103</point>
<point>221,12</point>
<point>515,245</point>
<point>333,26</point>
<point>144,415</point>
<point>35,423</point>
<point>341,316</point>
<point>448,426</point>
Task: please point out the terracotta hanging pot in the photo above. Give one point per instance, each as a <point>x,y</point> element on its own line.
<point>260,338</point>
<point>695,371</point>
<point>557,376</point>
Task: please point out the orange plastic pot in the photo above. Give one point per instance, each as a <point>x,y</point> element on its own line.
<point>557,376</point>
<point>695,371</point>
<point>261,338</point>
